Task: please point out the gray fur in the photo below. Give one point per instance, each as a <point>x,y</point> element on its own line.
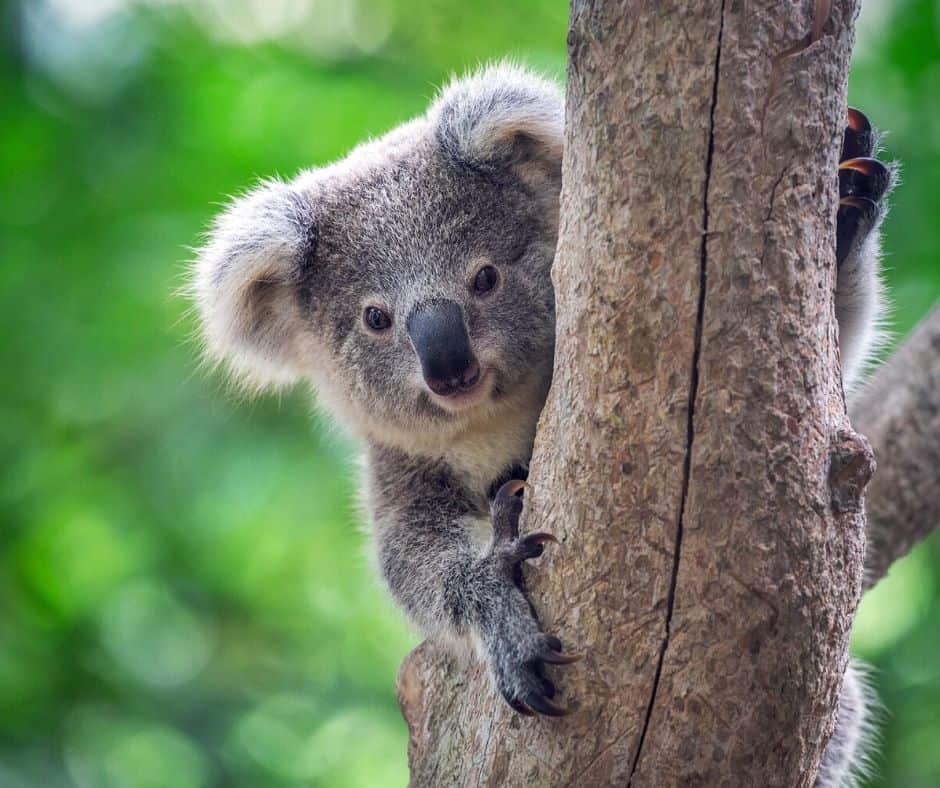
<point>288,269</point>
<point>846,761</point>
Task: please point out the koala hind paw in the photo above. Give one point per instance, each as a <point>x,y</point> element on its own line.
<point>863,182</point>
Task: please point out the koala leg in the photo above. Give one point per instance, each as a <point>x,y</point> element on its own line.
<point>845,757</point>
<point>864,183</point>
<point>453,589</point>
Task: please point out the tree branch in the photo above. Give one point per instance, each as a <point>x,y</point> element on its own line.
<point>899,411</point>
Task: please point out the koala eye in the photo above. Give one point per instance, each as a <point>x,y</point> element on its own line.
<point>376,319</point>
<point>486,279</point>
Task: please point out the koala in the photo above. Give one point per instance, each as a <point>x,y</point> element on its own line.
<point>410,283</point>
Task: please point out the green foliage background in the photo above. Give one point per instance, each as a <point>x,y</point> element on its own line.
<point>184,595</point>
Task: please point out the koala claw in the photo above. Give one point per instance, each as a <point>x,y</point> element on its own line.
<point>858,121</point>
<point>863,181</point>
<point>519,706</point>
<point>528,546</point>
<point>521,679</point>
<point>511,488</point>
<point>533,702</point>
<point>863,176</point>
<point>542,705</point>
<point>858,139</point>
<point>506,508</point>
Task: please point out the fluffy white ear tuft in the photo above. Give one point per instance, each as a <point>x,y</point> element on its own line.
<point>245,284</point>
<point>503,115</point>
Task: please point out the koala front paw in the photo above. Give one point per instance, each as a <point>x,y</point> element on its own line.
<point>518,665</point>
<point>516,647</point>
<point>508,547</point>
<point>863,183</point>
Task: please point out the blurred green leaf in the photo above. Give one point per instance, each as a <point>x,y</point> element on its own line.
<point>185,593</point>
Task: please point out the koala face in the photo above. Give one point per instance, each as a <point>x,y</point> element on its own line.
<point>409,282</point>
<point>430,283</point>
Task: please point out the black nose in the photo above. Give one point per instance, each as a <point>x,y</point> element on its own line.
<point>440,339</point>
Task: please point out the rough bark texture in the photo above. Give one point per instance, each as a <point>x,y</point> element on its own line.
<point>899,410</point>
<point>694,456</point>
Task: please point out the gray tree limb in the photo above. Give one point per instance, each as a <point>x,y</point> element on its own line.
<point>899,411</point>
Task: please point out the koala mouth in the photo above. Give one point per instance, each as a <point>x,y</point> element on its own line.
<point>465,397</point>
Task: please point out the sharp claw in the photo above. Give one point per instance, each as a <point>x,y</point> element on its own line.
<point>858,121</point>
<point>864,204</point>
<point>863,176</point>
<point>858,139</point>
<point>540,537</point>
<point>511,488</point>
<point>543,705</point>
<point>519,706</point>
<point>553,643</point>
<point>558,658</point>
<point>505,509</point>
<point>533,545</point>
<point>866,165</point>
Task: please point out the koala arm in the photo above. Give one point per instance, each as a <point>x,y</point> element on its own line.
<point>457,586</point>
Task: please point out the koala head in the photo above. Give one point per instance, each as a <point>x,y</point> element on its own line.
<point>409,282</point>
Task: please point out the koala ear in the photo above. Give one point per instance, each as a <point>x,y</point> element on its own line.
<point>502,117</point>
<point>246,280</point>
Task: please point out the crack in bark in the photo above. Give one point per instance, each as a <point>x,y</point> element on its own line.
<point>773,193</point>
<point>770,213</point>
<point>693,393</point>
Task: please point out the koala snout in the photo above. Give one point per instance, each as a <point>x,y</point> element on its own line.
<point>439,337</point>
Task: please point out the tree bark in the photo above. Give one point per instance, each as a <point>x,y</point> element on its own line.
<point>694,456</point>
<point>899,410</point>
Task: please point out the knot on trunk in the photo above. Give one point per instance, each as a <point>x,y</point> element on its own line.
<point>851,465</point>
<point>410,689</point>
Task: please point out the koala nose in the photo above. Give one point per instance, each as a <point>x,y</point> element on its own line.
<point>440,339</point>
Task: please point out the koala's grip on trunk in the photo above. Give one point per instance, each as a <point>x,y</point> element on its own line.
<point>410,283</point>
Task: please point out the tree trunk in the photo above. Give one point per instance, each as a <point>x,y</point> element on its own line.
<point>694,456</point>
